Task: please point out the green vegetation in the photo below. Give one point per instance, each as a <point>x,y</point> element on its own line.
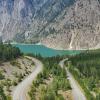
<point>1,75</point>
<point>15,63</point>
<point>59,82</point>
<point>2,95</point>
<point>85,67</point>
<point>8,52</point>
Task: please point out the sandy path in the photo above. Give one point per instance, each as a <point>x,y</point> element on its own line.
<point>76,90</point>
<point>21,91</point>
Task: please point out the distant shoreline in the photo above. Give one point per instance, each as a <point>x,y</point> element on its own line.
<point>48,46</point>
<point>25,43</point>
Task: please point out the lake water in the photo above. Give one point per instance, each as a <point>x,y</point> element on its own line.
<point>44,51</point>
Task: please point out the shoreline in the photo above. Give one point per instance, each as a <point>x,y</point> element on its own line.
<point>60,49</point>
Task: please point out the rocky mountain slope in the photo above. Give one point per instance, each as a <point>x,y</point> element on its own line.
<point>60,24</point>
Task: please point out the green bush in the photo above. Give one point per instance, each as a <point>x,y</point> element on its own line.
<point>1,75</point>
<point>8,52</point>
<point>2,95</point>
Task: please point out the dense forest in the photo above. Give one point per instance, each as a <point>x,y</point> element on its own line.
<point>8,52</point>
<point>59,81</point>
<point>85,67</point>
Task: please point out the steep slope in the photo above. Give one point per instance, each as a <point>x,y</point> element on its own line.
<point>78,27</point>
<point>16,16</point>
<point>24,17</point>
<point>61,24</point>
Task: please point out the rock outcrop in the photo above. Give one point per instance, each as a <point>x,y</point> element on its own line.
<point>60,24</point>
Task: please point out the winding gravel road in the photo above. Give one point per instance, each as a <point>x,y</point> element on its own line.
<point>76,90</point>
<point>21,91</point>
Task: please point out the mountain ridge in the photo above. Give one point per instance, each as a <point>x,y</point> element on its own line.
<point>60,24</point>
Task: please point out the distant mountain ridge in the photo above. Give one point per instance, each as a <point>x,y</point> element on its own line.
<point>60,24</point>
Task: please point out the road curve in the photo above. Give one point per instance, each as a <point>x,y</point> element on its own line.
<point>76,90</point>
<point>21,91</point>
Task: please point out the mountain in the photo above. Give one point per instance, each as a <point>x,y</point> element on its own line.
<point>60,24</point>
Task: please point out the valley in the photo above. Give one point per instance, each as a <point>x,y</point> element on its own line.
<point>49,49</point>
<point>61,77</point>
<point>18,73</point>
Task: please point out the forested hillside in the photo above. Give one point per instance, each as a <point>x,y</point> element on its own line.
<point>51,84</point>
<point>86,69</point>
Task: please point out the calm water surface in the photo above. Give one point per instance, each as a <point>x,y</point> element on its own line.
<point>44,51</point>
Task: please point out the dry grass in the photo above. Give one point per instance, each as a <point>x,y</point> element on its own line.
<point>12,72</point>
<point>66,94</point>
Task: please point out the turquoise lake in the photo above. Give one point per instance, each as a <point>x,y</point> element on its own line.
<point>44,51</point>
